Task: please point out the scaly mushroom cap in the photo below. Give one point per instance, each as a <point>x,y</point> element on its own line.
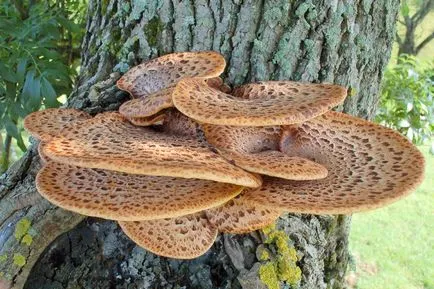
<point>150,120</point>
<point>108,141</point>
<point>45,124</point>
<point>279,103</point>
<point>149,105</point>
<point>185,237</point>
<point>120,196</point>
<point>369,166</point>
<point>159,100</point>
<point>255,149</point>
<point>167,70</point>
<point>239,216</point>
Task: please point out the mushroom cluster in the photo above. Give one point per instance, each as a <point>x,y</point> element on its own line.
<point>188,157</point>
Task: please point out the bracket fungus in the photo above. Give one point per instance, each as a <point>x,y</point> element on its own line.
<point>256,149</point>
<point>188,157</point>
<point>128,197</point>
<point>186,237</point>
<point>151,84</point>
<point>275,103</point>
<point>108,141</point>
<point>45,124</point>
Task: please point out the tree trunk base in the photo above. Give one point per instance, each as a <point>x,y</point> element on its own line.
<point>96,254</point>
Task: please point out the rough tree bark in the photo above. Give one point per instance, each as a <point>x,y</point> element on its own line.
<point>340,41</point>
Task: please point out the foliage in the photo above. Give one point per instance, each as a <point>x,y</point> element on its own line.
<point>39,46</point>
<point>407,103</point>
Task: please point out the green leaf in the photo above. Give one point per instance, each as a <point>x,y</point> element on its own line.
<point>35,99</point>
<point>405,9</point>
<point>7,74</point>
<point>12,130</point>
<point>31,93</point>
<point>71,26</point>
<point>49,94</point>
<point>21,69</point>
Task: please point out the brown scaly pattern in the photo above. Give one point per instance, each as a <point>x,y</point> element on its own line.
<point>165,71</point>
<point>150,120</point>
<point>108,141</point>
<point>149,105</point>
<point>280,103</point>
<point>255,149</point>
<point>45,124</point>
<point>369,166</point>
<point>178,124</point>
<point>239,216</point>
<point>127,197</point>
<point>185,237</point>
<point>159,100</point>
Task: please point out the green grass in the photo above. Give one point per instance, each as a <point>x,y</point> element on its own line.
<point>394,246</point>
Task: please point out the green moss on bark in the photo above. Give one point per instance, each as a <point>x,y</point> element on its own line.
<point>153,30</point>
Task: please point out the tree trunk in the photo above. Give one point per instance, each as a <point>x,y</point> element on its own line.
<point>340,41</point>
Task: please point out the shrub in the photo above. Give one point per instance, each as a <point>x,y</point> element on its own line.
<point>407,103</point>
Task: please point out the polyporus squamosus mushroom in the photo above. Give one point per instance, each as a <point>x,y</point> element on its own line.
<point>190,236</point>
<point>110,142</point>
<point>174,186</point>
<point>152,83</point>
<point>127,197</point>
<point>275,103</point>
<point>185,237</point>
<point>369,166</point>
<point>256,149</point>
<point>45,124</point>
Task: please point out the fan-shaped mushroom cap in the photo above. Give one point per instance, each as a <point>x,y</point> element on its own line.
<point>280,103</point>
<point>239,216</point>
<point>185,237</point>
<point>149,105</point>
<point>120,196</point>
<point>150,120</point>
<point>108,141</point>
<point>369,167</point>
<point>45,124</point>
<point>255,149</point>
<point>167,70</point>
<point>159,100</point>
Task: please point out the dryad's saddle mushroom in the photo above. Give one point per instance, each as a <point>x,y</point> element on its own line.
<point>152,83</point>
<point>188,157</point>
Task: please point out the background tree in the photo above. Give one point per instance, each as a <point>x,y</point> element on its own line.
<point>407,43</point>
<point>344,42</point>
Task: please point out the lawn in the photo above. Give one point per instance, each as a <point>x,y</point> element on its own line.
<point>393,247</point>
